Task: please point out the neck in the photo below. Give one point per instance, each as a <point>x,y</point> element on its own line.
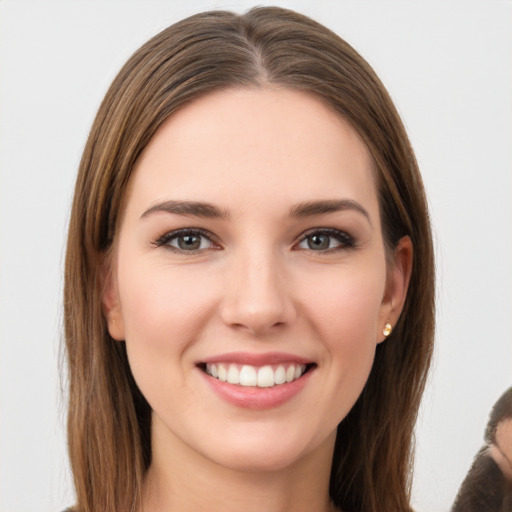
<point>180,479</point>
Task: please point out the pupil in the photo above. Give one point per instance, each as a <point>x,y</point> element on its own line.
<point>318,242</point>
<point>189,242</point>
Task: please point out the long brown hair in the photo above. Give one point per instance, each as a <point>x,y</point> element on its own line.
<point>109,420</point>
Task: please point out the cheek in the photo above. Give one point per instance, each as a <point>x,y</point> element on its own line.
<point>163,310</point>
<point>346,305</point>
<point>345,317</point>
<point>163,299</point>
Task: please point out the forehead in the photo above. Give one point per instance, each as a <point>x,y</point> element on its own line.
<point>273,143</point>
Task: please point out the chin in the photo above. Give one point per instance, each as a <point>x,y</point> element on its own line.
<point>272,452</point>
<point>261,462</point>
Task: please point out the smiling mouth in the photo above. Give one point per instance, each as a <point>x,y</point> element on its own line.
<point>266,376</point>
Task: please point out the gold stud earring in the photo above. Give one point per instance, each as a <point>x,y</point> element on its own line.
<point>387,329</point>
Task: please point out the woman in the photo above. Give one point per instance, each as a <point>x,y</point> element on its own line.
<point>249,295</point>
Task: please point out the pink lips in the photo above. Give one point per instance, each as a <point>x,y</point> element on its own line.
<point>256,359</point>
<point>253,397</point>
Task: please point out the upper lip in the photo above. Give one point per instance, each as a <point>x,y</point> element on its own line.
<point>253,359</point>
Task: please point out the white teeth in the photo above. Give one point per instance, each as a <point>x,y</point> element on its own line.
<point>233,374</point>
<point>265,377</point>
<point>280,375</point>
<point>223,374</point>
<point>262,377</point>
<point>211,369</point>
<point>248,376</point>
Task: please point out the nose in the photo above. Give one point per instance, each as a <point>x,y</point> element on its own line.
<point>257,297</point>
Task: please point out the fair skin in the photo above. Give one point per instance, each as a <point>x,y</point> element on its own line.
<point>282,264</point>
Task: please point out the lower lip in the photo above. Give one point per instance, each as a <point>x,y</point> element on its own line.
<point>252,397</point>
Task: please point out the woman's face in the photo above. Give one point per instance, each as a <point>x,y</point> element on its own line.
<point>249,277</point>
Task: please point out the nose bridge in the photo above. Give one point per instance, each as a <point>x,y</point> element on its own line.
<point>257,295</point>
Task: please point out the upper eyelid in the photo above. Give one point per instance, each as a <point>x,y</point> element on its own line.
<point>326,231</point>
<point>174,233</point>
<point>323,230</point>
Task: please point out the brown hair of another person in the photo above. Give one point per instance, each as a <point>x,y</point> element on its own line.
<point>109,420</point>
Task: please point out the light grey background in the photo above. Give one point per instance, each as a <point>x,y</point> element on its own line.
<point>448,66</point>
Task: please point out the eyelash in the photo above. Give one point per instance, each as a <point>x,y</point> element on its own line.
<point>166,239</point>
<point>345,241</point>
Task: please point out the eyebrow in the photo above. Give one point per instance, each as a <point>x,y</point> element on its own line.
<point>194,208</point>
<point>210,211</point>
<point>311,208</point>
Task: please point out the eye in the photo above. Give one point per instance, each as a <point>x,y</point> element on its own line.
<point>324,240</point>
<point>186,240</point>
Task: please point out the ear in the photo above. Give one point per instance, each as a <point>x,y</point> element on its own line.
<point>110,302</point>
<point>399,275</point>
